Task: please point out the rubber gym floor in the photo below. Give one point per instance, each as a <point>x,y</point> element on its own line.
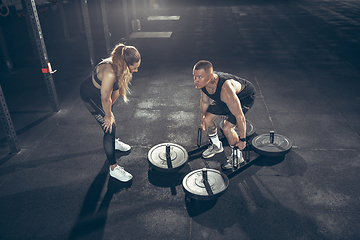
<point>303,58</point>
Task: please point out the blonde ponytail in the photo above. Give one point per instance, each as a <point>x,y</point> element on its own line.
<point>122,57</point>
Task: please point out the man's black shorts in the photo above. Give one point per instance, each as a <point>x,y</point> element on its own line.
<point>221,109</point>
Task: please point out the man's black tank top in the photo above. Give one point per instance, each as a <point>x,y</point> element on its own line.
<point>247,91</point>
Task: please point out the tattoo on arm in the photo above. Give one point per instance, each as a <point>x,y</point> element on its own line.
<point>212,129</point>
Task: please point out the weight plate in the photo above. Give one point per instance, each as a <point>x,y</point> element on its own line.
<point>157,158</point>
<point>250,128</point>
<point>215,185</point>
<point>279,147</point>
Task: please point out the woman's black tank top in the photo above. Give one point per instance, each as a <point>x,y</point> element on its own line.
<point>116,84</point>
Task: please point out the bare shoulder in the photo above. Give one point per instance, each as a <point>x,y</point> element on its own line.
<point>228,86</point>
<point>228,90</point>
<point>232,86</point>
<point>106,73</point>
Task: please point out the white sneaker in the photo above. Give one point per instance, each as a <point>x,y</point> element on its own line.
<point>119,145</point>
<point>212,150</point>
<point>229,164</point>
<point>120,174</point>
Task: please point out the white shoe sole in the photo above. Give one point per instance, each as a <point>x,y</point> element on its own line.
<point>121,148</point>
<point>210,156</point>
<point>128,177</point>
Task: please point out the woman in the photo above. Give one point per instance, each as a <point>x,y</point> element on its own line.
<point>109,80</point>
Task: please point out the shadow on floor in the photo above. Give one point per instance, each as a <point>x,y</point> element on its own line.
<point>91,221</point>
<point>168,179</point>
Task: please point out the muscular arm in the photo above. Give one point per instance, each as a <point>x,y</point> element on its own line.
<point>106,93</point>
<point>204,104</point>
<point>107,96</point>
<point>114,96</point>
<point>228,96</point>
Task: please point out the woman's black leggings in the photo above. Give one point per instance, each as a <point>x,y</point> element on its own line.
<point>95,108</point>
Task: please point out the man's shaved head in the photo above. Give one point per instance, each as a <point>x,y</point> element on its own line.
<point>204,64</point>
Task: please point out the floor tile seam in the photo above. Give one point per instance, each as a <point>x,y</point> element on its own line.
<point>309,79</point>
<point>22,129</point>
<point>317,37</point>
<point>313,36</point>
<point>290,111</point>
<point>4,181</point>
<point>165,108</point>
<point>304,202</point>
<point>331,26</point>
<point>295,187</point>
<point>271,115</point>
<point>264,101</point>
<point>339,15</point>
<point>350,5</point>
<point>323,209</point>
<point>297,148</point>
<point>142,146</point>
<point>254,74</point>
<point>344,118</point>
<point>27,155</point>
<point>298,189</point>
<point>55,124</point>
<point>257,176</point>
<point>280,175</point>
<point>279,200</point>
<point>344,98</point>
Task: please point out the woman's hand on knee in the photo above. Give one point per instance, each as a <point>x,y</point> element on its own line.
<point>109,121</point>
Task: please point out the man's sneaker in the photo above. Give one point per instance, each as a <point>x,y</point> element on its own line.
<point>212,150</point>
<point>229,164</point>
<point>120,174</point>
<point>119,145</point>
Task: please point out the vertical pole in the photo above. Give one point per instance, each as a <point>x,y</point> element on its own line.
<point>63,19</point>
<point>85,12</point>
<point>30,30</point>
<point>5,51</point>
<point>126,18</point>
<point>8,125</point>
<point>106,27</point>
<point>40,44</point>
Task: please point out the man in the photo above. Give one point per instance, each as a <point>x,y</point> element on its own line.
<point>233,97</point>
